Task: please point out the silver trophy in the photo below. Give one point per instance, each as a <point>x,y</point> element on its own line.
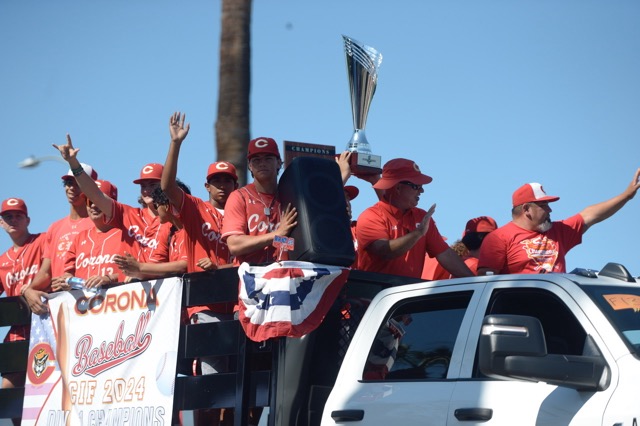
<point>362,69</point>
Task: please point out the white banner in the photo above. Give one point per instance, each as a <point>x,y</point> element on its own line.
<point>106,358</point>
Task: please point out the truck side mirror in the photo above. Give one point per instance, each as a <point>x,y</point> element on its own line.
<point>514,347</point>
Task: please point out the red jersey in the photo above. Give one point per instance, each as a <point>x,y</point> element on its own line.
<point>511,249</point>
<point>91,252</point>
<point>203,227</point>
<point>151,235</point>
<point>177,250</point>
<point>246,215</point>
<point>383,221</point>
<point>17,270</point>
<point>60,235</point>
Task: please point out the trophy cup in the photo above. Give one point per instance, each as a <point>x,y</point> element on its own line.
<point>362,69</point>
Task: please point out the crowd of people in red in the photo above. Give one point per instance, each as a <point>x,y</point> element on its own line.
<point>104,241</point>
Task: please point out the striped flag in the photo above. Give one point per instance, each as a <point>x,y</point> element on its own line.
<point>288,298</point>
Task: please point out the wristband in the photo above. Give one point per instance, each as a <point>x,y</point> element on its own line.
<point>78,171</point>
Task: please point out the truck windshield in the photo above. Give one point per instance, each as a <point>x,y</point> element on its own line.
<point>622,306</point>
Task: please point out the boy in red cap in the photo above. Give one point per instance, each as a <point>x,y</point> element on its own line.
<point>141,222</point>
<point>18,266</point>
<point>531,242</point>
<point>202,239</point>
<point>394,234</point>
<point>59,237</point>
<point>91,254</point>
<point>254,215</point>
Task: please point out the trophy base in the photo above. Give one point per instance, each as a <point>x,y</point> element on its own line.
<point>365,164</point>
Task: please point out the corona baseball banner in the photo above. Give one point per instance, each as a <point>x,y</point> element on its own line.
<point>105,358</point>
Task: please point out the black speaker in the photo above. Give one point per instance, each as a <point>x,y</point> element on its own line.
<point>323,235</point>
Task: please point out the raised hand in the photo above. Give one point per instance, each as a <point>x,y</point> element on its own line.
<point>177,128</point>
<point>424,224</point>
<point>67,152</point>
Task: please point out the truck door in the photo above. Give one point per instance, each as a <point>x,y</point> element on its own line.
<point>479,400</point>
<point>401,365</point>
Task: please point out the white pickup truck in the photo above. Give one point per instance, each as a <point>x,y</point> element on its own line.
<point>547,349</point>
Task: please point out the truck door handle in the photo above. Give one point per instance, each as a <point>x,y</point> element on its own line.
<point>347,415</point>
<point>470,414</point>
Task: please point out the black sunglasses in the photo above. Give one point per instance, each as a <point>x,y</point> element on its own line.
<point>412,185</point>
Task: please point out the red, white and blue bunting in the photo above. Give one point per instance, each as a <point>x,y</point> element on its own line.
<point>288,298</point>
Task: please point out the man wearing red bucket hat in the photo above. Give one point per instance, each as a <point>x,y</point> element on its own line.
<point>531,242</point>
<point>394,234</point>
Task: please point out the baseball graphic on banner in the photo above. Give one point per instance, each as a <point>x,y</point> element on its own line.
<point>165,376</point>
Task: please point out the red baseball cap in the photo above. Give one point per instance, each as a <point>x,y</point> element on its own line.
<point>222,167</point>
<point>108,188</point>
<point>480,224</point>
<point>87,169</point>
<point>400,170</point>
<point>351,191</point>
<point>152,171</point>
<point>14,204</point>
<point>263,145</point>
<point>530,192</point>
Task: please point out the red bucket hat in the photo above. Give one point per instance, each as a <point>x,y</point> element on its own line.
<point>263,145</point>
<point>530,192</point>
<point>400,170</point>
<point>14,204</point>
<point>108,188</point>
<point>152,171</point>
<point>87,169</point>
<point>222,167</point>
<point>480,224</point>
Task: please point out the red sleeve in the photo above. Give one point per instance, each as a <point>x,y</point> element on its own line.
<point>435,242</point>
<point>493,252</point>
<point>235,216</point>
<point>371,227</point>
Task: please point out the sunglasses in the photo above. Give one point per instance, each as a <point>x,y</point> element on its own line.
<point>412,185</point>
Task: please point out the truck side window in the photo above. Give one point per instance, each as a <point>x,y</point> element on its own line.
<point>416,339</point>
<point>562,331</point>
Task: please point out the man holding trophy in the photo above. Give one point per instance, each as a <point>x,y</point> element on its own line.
<point>394,234</point>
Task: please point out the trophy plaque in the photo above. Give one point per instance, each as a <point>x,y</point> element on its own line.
<point>362,70</point>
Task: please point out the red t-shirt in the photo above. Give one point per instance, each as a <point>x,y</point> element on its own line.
<point>59,237</point>
<point>245,215</point>
<point>151,235</point>
<point>17,269</point>
<point>511,249</point>
<point>383,221</point>
<point>203,226</point>
<point>91,252</point>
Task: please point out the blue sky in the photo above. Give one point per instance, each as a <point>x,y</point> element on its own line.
<point>483,95</point>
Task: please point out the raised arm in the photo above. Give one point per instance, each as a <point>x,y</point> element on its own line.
<point>601,211</point>
<point>85,182</point>
<point>178,132</point>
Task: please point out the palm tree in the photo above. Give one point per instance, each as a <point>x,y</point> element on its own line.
<point>232,123</point>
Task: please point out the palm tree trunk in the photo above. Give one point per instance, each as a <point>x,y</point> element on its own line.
<point>232,124</point>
